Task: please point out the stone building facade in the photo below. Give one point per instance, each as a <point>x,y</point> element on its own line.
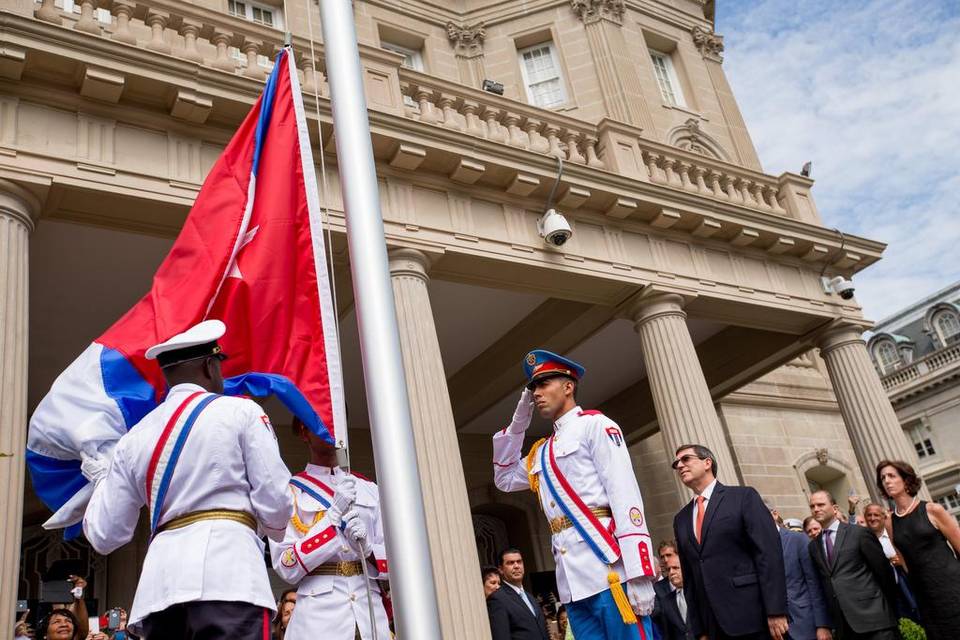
<point>917,353</point>
<point>690,288</point>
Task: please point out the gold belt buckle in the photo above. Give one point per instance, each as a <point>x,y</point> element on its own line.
<point>558,524</point>
<point>347,568</point>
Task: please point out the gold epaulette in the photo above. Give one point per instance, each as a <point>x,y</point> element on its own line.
<point>532,478</point>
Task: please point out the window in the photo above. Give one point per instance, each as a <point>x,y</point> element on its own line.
<point>667,79</point>
<point>412,59</point>
<point>255,12</point>
<point>886,355</point>
<point>948,326</point>
<point>920,436</point>
<point>540,68</point>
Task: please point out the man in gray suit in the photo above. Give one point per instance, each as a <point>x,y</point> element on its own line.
<point>856,575</point>
<point>806,606</point>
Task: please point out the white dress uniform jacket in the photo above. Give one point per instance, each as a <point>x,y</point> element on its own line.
<point>230,461</point>
<point>592,455</point>
<point>333,607</point>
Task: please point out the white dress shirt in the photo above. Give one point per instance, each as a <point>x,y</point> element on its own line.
<point>834,526</point>
<point>523,596</point>
<point>706,493</point>
<point>230,461</point>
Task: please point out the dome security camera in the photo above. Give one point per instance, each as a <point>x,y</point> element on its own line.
<point>839,285</point>
<point>554,228</point>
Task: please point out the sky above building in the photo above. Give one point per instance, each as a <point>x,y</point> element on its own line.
<point>870,93</point>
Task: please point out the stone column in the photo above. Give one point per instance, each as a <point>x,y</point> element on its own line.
<point>453,549</point>
<point>682,399</point>
<point>16,223</point>
<point>873,427</point>
<point>467,41</point>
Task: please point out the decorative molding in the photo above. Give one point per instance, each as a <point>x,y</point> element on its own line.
<point>708,43</point>
<point>690,137</point>
<point>593,10</point>
<point>467,39</point>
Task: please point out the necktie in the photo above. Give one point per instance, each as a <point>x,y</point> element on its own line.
<point>682,605</point>
<point>700,510</point>
<point>526,600</point>
<point>829,542</point>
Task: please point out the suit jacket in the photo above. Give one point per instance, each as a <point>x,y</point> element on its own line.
<point>859,585</point>
<point>734,576</point>
<point>666,613</point>
<point>510,617</point>
<point>806,604</point>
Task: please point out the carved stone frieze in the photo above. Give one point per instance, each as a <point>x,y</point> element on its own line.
<point>708,43</point>
<point>593,10</point>
<point>690,137</point>
<point>467,39</point>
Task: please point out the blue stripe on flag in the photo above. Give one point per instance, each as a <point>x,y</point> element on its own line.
<point>266,109</point>
<point>261,385</point>
<point>54,481</point>
<point>174,456</point>
<point>123,383</point>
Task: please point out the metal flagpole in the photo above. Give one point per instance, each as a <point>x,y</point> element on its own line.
<point>411,575</point>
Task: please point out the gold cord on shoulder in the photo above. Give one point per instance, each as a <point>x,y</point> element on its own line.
<point>533,478</point>
<point>295,520</point>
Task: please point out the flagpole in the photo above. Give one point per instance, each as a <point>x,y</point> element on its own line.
<point>411,574</point>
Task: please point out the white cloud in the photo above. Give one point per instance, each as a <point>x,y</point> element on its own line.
<point>870,92</point>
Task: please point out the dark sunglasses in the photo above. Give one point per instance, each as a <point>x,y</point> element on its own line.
<point>685,459</point>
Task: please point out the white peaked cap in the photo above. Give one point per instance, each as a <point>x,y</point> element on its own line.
<point>203,333</point>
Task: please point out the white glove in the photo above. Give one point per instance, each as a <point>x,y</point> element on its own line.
<point>641,595</point>
<point>523,413</point>
<point>342,500</point>
<point>356,530</point>
<point>94,468</point>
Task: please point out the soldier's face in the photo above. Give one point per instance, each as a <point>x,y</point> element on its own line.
<point>550,396</point>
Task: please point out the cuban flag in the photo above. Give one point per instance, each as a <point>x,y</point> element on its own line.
<point>251,253</point>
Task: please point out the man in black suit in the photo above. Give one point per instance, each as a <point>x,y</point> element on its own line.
<point>670,608</point>
<point>514,612</point>
<point>730,556</point>
<point>856,575</point>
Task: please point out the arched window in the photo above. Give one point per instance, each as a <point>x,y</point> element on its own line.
<point>947,325</point>
<point>886,355</point>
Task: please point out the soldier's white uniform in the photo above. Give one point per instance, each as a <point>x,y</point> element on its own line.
<point>329,605</point>
<point>230,461</point>
<point>591,454</point>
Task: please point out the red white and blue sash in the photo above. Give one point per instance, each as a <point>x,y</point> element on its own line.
<point>167,452</point>
<point>316,489</point>
<point>597,537</point>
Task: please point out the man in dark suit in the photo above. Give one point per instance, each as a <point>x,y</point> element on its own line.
<point>856,575</point>
<point>806,606</point>
<point>730,556</point>
<point>670,608</point>
<point>514,613</point>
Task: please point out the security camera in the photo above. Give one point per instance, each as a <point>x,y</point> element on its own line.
<point>554,228</point>
<point>838,285</point>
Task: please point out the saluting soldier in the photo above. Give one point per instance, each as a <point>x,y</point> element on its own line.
<point>335,529</point>
<point>587,489</point>
<point>208,468</point>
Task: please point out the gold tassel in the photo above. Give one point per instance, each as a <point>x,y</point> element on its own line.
<point>623,604</point>
<point>533,478</point>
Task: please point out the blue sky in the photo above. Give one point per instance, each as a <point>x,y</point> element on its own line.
<point>870,92</point>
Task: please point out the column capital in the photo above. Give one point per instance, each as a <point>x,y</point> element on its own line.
<point>18,203</point>
<point>838,335</point>
<point>655,303</point>
<point>593,10</point>
<point>409,262</point>
<point>708,43</point>
<point>467,39</point>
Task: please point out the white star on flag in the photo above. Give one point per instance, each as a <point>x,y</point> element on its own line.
<point>247,239</point>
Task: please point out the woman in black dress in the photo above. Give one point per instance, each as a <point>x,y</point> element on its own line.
<point>928,539</point>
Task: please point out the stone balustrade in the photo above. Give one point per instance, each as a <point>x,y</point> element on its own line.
<point>190,32</point>
<point>933,363</point>
<point>489,116</point>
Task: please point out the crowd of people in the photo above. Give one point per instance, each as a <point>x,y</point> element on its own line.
<point>836,574</point>
<point>734,569</point>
